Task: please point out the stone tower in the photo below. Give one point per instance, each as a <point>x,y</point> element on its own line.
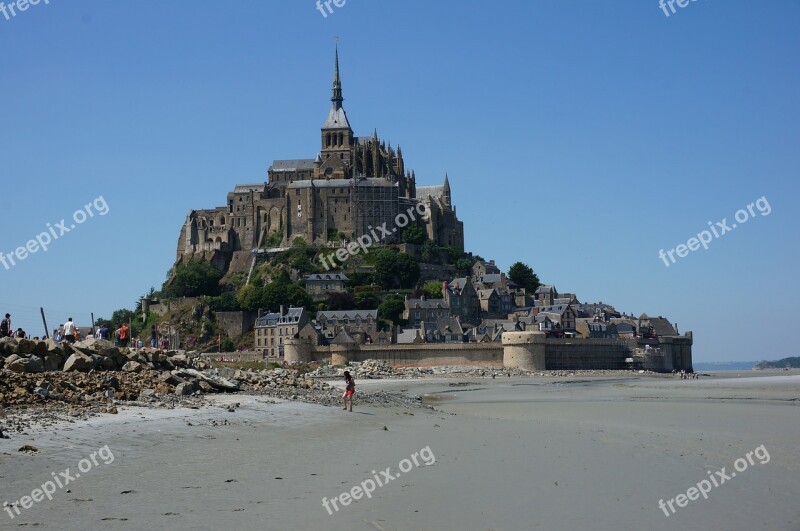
<point>337,136</point>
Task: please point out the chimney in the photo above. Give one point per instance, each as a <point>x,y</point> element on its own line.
<point>283,312</point>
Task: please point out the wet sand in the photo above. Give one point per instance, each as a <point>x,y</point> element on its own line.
<point>510,454</point>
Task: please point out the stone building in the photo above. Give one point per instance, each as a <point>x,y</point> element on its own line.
<point>319,285</point>
<point>272,330</point>
<point>353,183</point>
<point>418,310</point>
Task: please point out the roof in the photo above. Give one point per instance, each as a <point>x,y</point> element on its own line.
<point>662,327</point>
<point>292,165</point>
<point>341,183</point>
<point>556,308</point>
<point>433,191</point>
<point>342,338</point>
<point>546,288</point>
<point>427,303</point>
<point>244,188</point>
<point>340,315</point>
<point>327,276</point>
<point>490,278</point>
<point>337,119</point>
<point>273,319</point>
<point>487,293</point>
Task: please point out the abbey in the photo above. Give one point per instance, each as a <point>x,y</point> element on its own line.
<point>352,184</point>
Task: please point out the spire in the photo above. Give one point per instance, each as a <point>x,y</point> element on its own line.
<point>337,98</point>
<point>446,182</point>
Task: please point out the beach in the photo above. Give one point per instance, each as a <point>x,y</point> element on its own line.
<point>595,452</point>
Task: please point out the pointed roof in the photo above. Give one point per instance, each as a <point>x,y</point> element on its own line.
<point>337,118</point>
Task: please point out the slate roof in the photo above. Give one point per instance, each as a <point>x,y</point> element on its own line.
<point>273,319</point>
<point>433,191</point>
<point>244,188</point>
<point>337,119</point>
<point>427,303</point>
<point>327,276</point>
<point>340,183</point>
<point>340,315</point>
<point>292,165</point>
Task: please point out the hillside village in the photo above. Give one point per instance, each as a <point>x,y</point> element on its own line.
<point>472,309</point>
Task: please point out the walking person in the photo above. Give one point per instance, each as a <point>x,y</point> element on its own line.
<point>349,391</point>
<point>69,331</point>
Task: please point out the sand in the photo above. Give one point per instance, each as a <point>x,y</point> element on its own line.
<point>510,454</point>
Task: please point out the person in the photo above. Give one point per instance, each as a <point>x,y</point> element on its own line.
<point>122,335</point>
<point>139,343</point>
<point>153,337</point>
<point>20,334</point>
<point>164,343</point>
<point>103,332</point>
<point>69,331</point>
<point>349,391</point>
<point>5,326</point>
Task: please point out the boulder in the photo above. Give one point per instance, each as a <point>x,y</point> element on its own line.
<point>11,359</point>
<point>9,345</point>
<point>133,366</point>
<point>32,364</point>
<point>104,362</point>
<point>184,389</point>
<point>217,382</point>
<point>53,362</point>
<point>79,362</point>
<point>25,346</point>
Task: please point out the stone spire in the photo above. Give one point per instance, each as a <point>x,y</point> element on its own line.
<point>337,98</point>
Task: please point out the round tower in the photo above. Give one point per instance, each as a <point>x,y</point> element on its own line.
<point>524,350</point>
<point>297,351</point>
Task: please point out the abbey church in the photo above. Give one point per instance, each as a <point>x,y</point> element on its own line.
<point>352,184</point>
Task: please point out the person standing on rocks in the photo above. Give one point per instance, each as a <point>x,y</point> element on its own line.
<point>69,331</point>
<point>5,326</point>
<point>349,391</point>
<point>122,335</point>
<point>153,337</point>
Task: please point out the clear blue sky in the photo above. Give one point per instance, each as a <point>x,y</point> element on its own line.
<point>580,137</point>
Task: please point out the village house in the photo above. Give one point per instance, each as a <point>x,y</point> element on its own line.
<point>358,324</point>
<point>443,330</point>
<point>418,310</point>
<point>319,285</point>
<point>460,294</point>
<point>272,329</point>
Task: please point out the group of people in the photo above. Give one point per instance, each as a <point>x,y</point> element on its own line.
<point>688,375</point>
<point>7,331</point>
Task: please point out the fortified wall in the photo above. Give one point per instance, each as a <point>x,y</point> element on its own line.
<point>524,350</point>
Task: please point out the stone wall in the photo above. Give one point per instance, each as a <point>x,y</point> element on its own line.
<point>527,350</point>
<point>236,324</point>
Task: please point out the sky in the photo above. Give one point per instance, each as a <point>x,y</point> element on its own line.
<point>580,137</point>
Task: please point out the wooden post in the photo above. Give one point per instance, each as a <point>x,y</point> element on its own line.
<point>44,322</point>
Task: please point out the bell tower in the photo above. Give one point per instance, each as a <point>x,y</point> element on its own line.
<point>337,136</point>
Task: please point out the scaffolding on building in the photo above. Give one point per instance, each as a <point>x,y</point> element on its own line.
<point>375,202</point>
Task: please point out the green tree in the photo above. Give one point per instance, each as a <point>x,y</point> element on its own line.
<point>391,309</point>
<point>432,289</point>
<point>227,345</point>
<point>394,269</point>
<point>522,275</point>
<point>413,234</point>
<point>341,301</point>
<point>193,278</point>
<point>227,302</point>
<point>464,264</point>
